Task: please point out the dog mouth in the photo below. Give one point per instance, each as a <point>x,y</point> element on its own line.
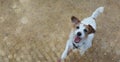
<point>77,39</point>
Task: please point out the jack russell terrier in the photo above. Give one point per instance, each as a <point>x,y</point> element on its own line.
<point>82,33</point>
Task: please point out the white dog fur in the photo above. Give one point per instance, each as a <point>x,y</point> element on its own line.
<point>83,40</point>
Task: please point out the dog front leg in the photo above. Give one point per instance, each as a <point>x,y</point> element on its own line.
<point>65,53</point>
<point>82,50</point>
<point>84,47</point>
<point>67,50</point>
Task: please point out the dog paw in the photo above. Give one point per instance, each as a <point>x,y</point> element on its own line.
<point>59,60</point>
<point>82,52</point>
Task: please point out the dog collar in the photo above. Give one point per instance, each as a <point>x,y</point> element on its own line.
<point>75,46</point>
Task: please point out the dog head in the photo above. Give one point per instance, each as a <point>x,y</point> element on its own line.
<point>80,30</point>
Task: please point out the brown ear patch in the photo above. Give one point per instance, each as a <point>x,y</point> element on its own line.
<point>75,20</point>
<point>90,29</point>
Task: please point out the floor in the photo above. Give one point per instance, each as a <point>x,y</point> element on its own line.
<point>37,30</point>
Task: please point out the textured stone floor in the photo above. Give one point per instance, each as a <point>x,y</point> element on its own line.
<point>37,30</point>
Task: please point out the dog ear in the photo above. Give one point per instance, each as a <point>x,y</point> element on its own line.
<point>91,29</point>
<point>75,20</point>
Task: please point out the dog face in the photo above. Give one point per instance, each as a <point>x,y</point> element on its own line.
<point>81,31</point>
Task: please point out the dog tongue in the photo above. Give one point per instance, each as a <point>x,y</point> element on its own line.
<point>77,39</point>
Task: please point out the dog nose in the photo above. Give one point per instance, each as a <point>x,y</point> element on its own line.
<point>79,34</point>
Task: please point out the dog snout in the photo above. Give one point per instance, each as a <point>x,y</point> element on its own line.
<point>79,34</point>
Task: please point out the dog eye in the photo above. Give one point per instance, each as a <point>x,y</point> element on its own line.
<point>85,30</point>
<point>77,27</point>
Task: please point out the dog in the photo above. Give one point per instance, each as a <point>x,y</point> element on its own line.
<point>82,33</point>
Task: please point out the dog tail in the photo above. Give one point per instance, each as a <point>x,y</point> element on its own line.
<point>97,12</point>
